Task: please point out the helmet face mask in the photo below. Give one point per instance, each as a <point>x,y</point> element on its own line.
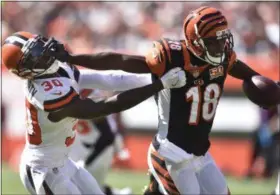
<point>207,35</point>
<point>217,48</point>
<point>35,60</point>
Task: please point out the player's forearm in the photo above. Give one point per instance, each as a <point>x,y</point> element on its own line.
<point>130,98</point>
<point>242,71</point>
<point>89,110</point>
<point>112,80</point>
<point>111,61</point>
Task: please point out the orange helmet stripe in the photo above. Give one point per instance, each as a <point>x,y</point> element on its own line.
<point>207,16</point>
<point>210,21</point>
<point>217,24</point>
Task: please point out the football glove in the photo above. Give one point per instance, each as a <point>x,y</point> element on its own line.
<point>174,78</point>
<point>59,51</point>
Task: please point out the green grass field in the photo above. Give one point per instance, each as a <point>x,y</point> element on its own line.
<point>11,183</point>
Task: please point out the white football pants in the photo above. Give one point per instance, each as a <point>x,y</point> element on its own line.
<point>277,189</point>
<point>100,167</point>
<point>68,179</point>
<point>186,174</point>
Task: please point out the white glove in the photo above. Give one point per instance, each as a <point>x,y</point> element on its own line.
<point>174,78</point>
<point>80,163</point>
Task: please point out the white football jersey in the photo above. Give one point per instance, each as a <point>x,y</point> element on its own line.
<point>48,143</point>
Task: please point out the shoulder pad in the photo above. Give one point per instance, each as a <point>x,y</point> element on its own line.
<point>50,94</point>
<point>158,56</point>
<point>186,54</point>
<point>71,70</point>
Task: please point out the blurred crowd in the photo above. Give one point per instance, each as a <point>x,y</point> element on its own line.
<point>88,27</point>
<point>131,26</point>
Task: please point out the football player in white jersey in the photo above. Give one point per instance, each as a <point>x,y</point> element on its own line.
<point>53,107</point>
<point>94,147</point>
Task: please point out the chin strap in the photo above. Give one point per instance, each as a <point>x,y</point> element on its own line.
<point>52,69</point>
<point>214,60</point>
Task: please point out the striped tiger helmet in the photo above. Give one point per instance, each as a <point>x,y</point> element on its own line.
<point>207,35</point>
<point>25,55</point>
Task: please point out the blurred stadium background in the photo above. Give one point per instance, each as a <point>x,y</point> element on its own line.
<point>130,27</point>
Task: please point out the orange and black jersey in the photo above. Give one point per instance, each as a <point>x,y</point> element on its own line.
<point>186,114</point>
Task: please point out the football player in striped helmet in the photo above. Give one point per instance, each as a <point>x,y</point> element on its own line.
<point>178,156</point>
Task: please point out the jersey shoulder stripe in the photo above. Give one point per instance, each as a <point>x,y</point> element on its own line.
<point>33,128</point>
<point>166,48</point>
<point>55,104</point>
<point>158,57</point>
<point>51,93</point>
<point>186,55</point>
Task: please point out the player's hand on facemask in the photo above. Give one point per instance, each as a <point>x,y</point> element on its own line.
<point>174,78</point>
<point>59,51</point>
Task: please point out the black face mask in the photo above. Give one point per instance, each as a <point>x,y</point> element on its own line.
<point>219,47</point>
<point>215,47</point>
<point>35,59</point>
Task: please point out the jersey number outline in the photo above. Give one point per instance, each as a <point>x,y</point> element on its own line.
<point>70,139</point>
<point>175,45</point>
<point>34,130</point>
<point>48,85</point>
<point>82,127</point>
<point>210,101</point>
<point>32,125</point>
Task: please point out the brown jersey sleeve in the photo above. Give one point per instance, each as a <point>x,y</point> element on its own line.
<point>157,56</point>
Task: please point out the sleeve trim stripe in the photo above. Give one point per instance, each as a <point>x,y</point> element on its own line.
<point>58,104</point>
<point>60,98</point>
<point>166,48</point>
<point>85,93</point>
<point>186,57</point>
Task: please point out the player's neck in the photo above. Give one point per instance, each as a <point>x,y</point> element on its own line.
<point>56,74</point>
<point>196,61</point>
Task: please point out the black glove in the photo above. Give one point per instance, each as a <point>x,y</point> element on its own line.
<point>58,51</point>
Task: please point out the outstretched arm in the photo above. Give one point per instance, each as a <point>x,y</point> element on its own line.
<point>108,61</point>
<point>88,109</point>
<point>111,61</point>
<point>112,80</point>
<point>242,71</point>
